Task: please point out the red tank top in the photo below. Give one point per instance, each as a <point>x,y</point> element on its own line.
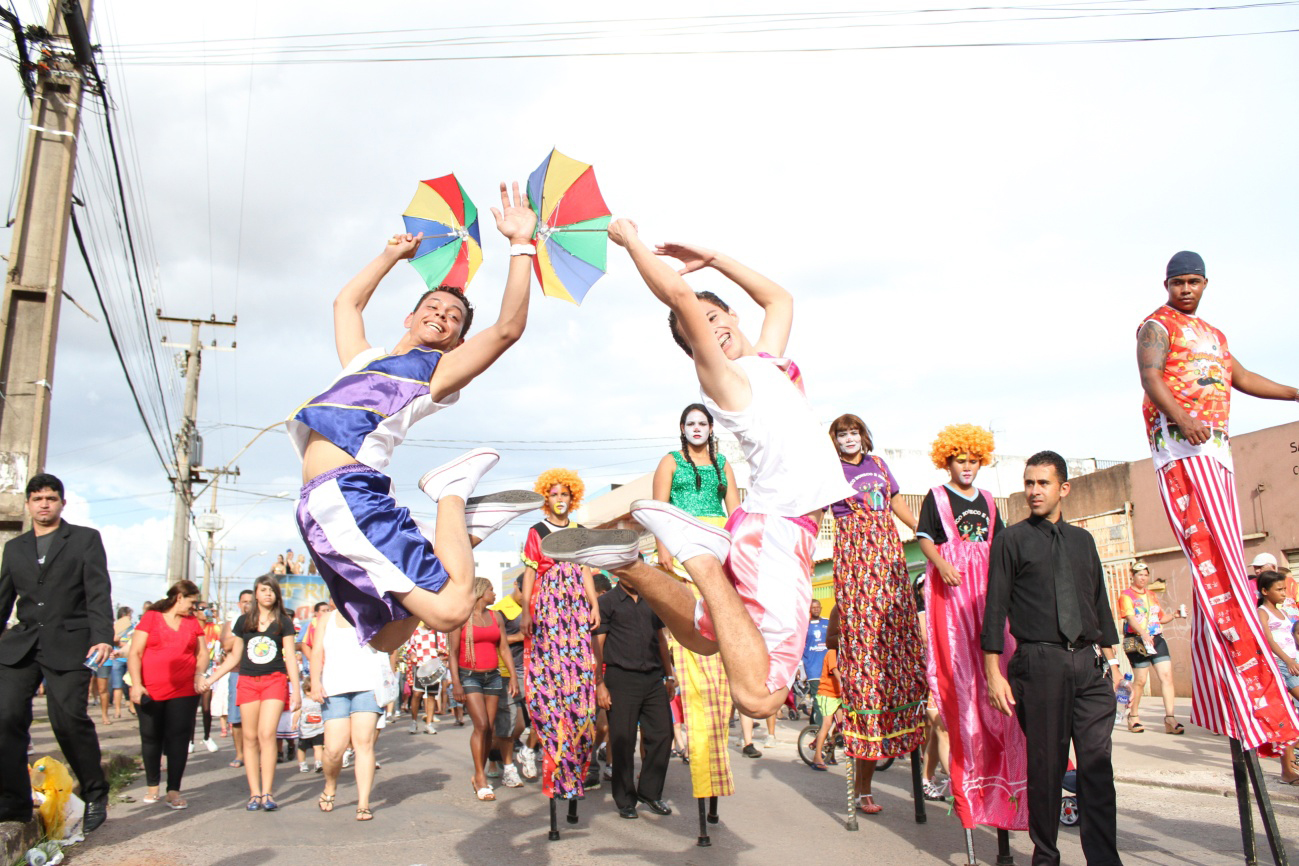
<point>486,640</point>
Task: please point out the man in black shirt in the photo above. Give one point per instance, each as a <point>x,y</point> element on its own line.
<point>1046,575</point>
<point>635,682</point>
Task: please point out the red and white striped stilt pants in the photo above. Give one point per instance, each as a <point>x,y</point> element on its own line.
<point>1237,691</point>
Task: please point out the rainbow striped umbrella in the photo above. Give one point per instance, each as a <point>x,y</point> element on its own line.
<point>572,223</point>
<point>451,251</point>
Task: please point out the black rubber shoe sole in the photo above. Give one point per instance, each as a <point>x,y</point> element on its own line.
<point>568,544</point>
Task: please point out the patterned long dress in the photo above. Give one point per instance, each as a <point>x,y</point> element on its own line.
<point>881,652</point>
<point>559,670</point>
<point>705,691</point>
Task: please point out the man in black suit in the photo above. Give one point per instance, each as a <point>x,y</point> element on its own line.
<point>59,575</point>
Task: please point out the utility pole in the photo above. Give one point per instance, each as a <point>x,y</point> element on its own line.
<point>29,316</point>
<point>189,445</point>
<point>211,522</point>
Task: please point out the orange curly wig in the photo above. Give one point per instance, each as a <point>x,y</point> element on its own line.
<point>566,477</point>
<point>962,439</point>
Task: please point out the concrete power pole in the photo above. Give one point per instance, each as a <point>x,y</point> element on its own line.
<point>189,445</point>
<point>29,317</point>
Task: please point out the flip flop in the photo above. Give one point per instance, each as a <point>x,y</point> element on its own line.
<point>235,764</point>
<point>326,802</point>
<point>1294,781</point>
<point>177,804</point>
<point>364,814</point>
<point>484,793</point>
<point>822,767</point>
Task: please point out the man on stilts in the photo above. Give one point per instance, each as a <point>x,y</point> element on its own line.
<point>1187,373</point>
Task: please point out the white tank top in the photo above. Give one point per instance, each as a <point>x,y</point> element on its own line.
<point>349,666</point>
<point>1282,633</point>
<point>793,467</point>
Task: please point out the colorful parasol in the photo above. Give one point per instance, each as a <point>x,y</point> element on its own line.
<point>451,250</point>
<point>572,224</point>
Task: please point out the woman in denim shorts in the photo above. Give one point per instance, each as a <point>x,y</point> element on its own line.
<point>1144,619</point>
<point>344,675</point>
<point>475,679</point>
<point>1279,629</point>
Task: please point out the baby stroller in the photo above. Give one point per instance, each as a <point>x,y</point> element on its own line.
<point>1069,802</point>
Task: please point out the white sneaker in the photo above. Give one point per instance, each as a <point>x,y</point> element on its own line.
<point>769,743</point>
<point>191,747</point>
<point>459,476</point>
<point>210,744</point>
<point>510,778</point>
<point>487,513</point>
<point>598,548</point>
<point>414,727</point>
<point>528,761</point>
<point>303,768</point>
<point>429,728</point>
<point>347,758</point>
<point>683,536</point>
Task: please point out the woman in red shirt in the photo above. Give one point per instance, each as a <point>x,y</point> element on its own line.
<point>167,658</point>
<point>475,678</point>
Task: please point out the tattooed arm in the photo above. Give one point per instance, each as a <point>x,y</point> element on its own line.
<point>1152,353</point>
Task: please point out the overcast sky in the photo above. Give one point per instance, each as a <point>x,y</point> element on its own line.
<point>971,234</point>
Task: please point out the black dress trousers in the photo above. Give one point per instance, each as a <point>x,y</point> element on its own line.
<point>1064,695</point>
<point>638,698</point>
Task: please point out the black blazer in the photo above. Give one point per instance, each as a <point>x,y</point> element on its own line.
<point>64,607</point>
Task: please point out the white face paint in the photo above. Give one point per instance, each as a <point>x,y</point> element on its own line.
<point>849,442</point>
<point>697,429</point>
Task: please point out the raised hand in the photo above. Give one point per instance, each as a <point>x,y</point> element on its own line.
<point>515,219</point>
<point>692,257</point>
<point>622,230</point>
<point>404,244</point>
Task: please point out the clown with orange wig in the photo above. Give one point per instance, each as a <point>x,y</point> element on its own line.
<point>956,526</point>
<point>559,613</point>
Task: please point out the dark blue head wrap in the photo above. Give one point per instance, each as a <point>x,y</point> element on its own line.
<point>1185,262</point>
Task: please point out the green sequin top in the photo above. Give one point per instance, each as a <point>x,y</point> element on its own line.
<point>703,502</point>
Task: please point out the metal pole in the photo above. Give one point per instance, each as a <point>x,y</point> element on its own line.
<point>969,848</point>
<point>851,777</point>
<point>703,841</point>
<point>918,786</point>
<point>1241,776</point>
<point>1004,857</point>
<point>1265,808</point>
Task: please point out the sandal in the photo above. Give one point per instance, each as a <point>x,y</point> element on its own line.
<point>364,814</point>
<point>820,766</point>
<point>269,805</point>
<point>254,803</point>
<point>1172,726</point>
<point>484,793</point>
<point>1134,725</point>
<point>235,764</point>
<point>326,802</point>
<point>867,804</point>
<point>178,803</point>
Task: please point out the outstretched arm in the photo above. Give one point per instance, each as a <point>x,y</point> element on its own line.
<point>349,327</point>
<point>1259,386</point>
<point>1152,353</point>
<point>719,378</point>
<point>777,304</point>
<point>516,221</point>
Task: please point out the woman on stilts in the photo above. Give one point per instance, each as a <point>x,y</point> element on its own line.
<point>699,480</point>
<point>881,656</point>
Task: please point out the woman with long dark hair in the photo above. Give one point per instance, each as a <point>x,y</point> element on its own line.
<point>263,646</point>
<point>881,657</point>
<point>699,480</point>
<point>167,658</point>
<point>475,679</point>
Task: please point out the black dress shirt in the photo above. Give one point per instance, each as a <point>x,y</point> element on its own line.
<point>1021,583</point>
<point>631,630</point>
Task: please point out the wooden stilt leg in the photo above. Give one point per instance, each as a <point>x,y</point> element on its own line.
<point>1265,808</point>
<point>1004,857</point>
<point>969,849</point>
<point>703,841</point>
<point>712,810</point>
<point>554,822</point>
<point>572,811</point>
<point>918,786</point>
<point>1241,775</point>
<point>852,792</point>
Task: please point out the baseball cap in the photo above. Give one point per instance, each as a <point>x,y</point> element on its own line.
<point>1264,559</point>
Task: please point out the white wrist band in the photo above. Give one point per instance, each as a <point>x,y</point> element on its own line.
<point>523,250</point>
<point>1114,662</point>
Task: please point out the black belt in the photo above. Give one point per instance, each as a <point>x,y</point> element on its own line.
<point>1071,647</point>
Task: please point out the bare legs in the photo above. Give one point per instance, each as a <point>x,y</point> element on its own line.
<point>744,653</point>
<point>449,607</point>
<point>482,712</point>
<point>260,719</point>
<point>1139,677</point>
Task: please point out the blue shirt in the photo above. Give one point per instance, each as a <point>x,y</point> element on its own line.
<point>814,650</point>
